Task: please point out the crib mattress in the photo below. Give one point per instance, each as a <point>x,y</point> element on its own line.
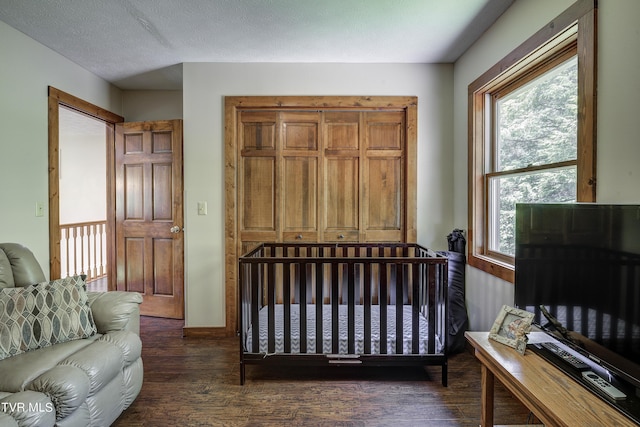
<point>343,330</point>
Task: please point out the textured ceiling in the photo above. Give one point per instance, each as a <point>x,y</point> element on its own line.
<point>140,44</point>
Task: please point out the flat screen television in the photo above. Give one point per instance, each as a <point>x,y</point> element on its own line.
<point>581,261</point>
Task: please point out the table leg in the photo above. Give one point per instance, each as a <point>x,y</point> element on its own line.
<point>486,412</point>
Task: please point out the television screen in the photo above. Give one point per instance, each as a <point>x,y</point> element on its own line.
<point>582,263</point>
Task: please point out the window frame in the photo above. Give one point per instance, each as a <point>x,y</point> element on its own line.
<point>575,29</point>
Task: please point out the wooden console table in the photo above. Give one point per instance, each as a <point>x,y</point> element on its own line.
<point>553,397</point>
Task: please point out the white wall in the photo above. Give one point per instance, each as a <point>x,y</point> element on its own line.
<point>82,169</point>
<point>83,178</point>
<point>619,101</point>
<point>618,106</point>
<point>27,69</point>
<point>204,88</point>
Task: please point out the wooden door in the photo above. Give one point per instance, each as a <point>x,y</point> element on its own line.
<point>383,195</point>
<point>300,176</point>
<point>149,215</point>
<point>257,205</point>
<point>342,184</point>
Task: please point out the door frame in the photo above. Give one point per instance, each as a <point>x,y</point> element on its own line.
<point>57,98</point>
<point>234,104</point>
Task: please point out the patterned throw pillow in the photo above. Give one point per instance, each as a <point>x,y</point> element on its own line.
<point>44,314</point>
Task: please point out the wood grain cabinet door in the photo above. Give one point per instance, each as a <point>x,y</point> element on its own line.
<point>300,176</point>
<point>257,177</point>
<point>383,177</point>
<point>342,186</point>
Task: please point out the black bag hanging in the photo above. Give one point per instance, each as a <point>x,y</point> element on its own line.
<point>458,317</point>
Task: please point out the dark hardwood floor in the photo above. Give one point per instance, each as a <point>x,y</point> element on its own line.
<point>195,382</point>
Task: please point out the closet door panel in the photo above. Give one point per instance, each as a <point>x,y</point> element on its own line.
<point>342,131</point>
<point>384,208</point>
<point>257,130</point>
<point>258,214</point>
<point>300,136</point>
<point>383,202</point>
<point>385,130</point>
<point>300,197</point>
<point>342,144</point>
<point>342,200</point>
<point>257,176</point>
<point>299,175</point>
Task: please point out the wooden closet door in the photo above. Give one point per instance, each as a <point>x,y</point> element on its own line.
<point>300,176</point>
<point>383,177</point>
<point>257,178</point>
<point>342,176</point>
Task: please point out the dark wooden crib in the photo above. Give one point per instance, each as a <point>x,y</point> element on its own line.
<point>377,304</point>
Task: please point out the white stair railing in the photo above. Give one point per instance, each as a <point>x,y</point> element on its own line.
<point>83,249</point>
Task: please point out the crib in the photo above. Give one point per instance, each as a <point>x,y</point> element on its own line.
<point>381,304</point>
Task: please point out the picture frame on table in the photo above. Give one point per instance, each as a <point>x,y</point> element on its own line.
<point>511,328</point>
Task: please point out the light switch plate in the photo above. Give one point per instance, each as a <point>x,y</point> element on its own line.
<point>39,209</point>
<point>202,208</point>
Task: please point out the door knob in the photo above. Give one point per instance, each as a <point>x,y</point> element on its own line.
<point>175,229</point>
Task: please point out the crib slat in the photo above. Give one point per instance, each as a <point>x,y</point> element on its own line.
<point>255,301</point>
<point>302,292</point>
<point>286,300</point>
<point>335,305</point>
<point>415,312</point>
<point>399,311</point>
<point>319,304</point>
<point>431,318</point>
<point>271,304</point>
<point>367,304</point>
<point>351,308</point>
<point>383,307</point>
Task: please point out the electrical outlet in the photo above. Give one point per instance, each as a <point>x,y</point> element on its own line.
<point>202,208</point>
<point>39,209</point>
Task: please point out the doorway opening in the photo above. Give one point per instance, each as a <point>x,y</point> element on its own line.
<point>83,197</point>
<point>81,140</point>
<point>115,203</point>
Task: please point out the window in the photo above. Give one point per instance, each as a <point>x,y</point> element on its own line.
<point>533,152</point>
<point>531,134</point>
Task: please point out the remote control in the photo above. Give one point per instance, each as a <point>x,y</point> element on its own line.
<point>565,355</point>
<point>601,384</point>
